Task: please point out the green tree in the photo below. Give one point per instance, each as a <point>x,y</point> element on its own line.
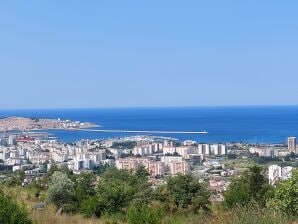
<point>252,186</point>
<point>85,186</point>
<point>16,179</point>
<point>238,193</point>
<point>61,192</point>
<point>184,191</point>
<point>90,207</point>
<point>11,212</point>
<point>141,173</point>
<point>116,190</point>
<point>286,195</point>
<point>119,187</point>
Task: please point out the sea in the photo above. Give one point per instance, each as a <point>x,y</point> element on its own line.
<point>251,124</point>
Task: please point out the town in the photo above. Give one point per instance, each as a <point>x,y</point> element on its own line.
<point>214,164</point>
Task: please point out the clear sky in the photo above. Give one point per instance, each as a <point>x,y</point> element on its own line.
<point>65,54</point>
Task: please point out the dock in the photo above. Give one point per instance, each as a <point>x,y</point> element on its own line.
<point>145,131</point>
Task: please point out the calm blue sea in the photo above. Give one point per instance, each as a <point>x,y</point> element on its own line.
<point>268,124</point>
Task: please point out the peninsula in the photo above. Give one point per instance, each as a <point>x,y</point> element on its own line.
<point>30,124</point>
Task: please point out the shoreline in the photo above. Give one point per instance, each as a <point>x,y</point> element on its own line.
<point>19,124</point>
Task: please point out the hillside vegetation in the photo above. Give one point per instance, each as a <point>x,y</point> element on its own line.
<point>118,196</point>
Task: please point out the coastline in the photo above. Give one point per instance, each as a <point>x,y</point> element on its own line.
<point>12,123</point>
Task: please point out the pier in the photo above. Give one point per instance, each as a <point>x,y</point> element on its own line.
<point>144,131</point>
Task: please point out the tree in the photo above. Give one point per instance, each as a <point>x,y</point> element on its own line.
<point>61,192</point>
<point>11,212</point>
<point>252,186</point>
<point>90,207</point>
<point>16,179</point>
<point>141,173</point>
<point>116,190</point>
<point>286,195</point>
<point>85,186</point>
<point>238,193</point>
<point>184,191</point>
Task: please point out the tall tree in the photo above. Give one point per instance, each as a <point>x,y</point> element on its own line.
<point>252,186</point>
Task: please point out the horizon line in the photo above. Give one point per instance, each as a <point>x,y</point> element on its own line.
<point>149,107</point>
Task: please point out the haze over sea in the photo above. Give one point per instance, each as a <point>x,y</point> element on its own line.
<point>253,124</point>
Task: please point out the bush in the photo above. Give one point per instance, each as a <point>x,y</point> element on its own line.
<point>61,192</point>
<point>143,214</point>
<point>90,207</point>
<point>286,195</point>
<point>116,190</point>
<point>184,191</point>
<point>11,212</point>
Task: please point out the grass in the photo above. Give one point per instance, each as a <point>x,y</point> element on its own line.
<point>48,217</point>
<point>254,215</point>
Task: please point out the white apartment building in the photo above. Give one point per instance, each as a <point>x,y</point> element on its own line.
<point>143,150</point>
<point>292,144</point>
<point>215,149</point>
<point>169,150</point>
<point>204,149</point>
<point>183,151</point>
<point>277,173</point>
<point>269,151</point>
<point>218,149</point>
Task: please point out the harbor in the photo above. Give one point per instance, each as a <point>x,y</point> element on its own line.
<point>145,131</point>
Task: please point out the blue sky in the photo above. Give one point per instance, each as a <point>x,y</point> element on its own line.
<point>65,54</point>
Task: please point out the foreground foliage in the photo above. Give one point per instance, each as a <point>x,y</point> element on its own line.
<point>142,213</point>
<point>286,195</point>
<point>11,212</point>
<point>119,196</point>
<point>252,186</point>
<point>61,191</point>
<point>116,190</point>
<point>184,191</point>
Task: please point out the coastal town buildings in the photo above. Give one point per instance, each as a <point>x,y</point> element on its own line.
<point>277,173</point>
<point>212,149</point>
<point>154,168</point>
<point>161,158</point>
<point>269,151</point>
<point>292,145</point>
<point>179,167</point>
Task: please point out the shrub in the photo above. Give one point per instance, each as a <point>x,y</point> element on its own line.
<point>61,191</point>
<point>143,214</point>
<point>118,188</point>
<point>286,195</point>
<point>90,207</point>
<point>184,191</point>
<point>11,212</point>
